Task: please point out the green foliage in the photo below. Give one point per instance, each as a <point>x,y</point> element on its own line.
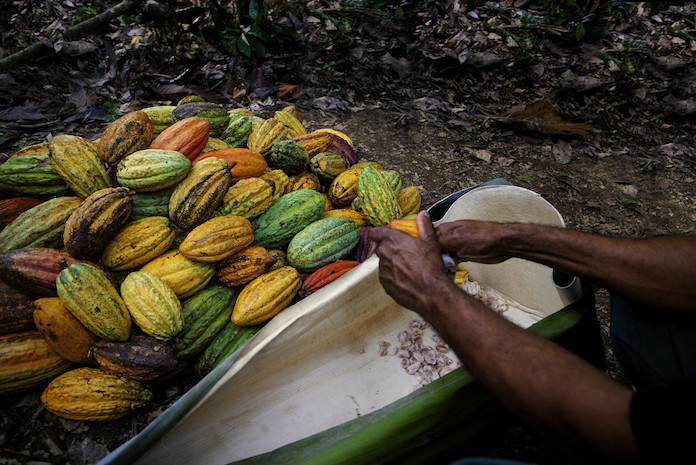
<point>112,113</point>
<point>256,31</point>
<point>524,40</point>
<point>586,19</point>
<point>341,19</point>
<point>625,58</point>
<point>524,178</point>
<point>82,13</point>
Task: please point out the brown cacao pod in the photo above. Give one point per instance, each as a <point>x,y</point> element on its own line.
<point>303,181</point>
<point>96,221</point>
<point>16,310</point>
<point>244,266</point>
<point>11,208</point>
<point>141,358</point>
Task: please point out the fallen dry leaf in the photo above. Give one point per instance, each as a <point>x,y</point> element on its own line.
<point>540,117</point>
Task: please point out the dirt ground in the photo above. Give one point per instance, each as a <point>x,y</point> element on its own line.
<point>425,95</point>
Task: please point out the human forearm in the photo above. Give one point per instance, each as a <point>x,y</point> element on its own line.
<point>657,271</point>
<point>562,395</point>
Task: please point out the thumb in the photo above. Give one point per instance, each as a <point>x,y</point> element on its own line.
<point>426,230</point>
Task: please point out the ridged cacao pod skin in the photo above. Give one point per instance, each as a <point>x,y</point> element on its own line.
<point>32,175</point>
<point>11,208</point>
<point>314,143</point>
<point>76,160</point>
<point>335,133</point>
<point>91,297</point>
<point>237,131</point>
<point>267,133</point>
<point>16,310</point>
<point>286,217</point>
<point>40,226</point>
<point>326,275</point>
<point>138,243</point>
<point>128,134</point>
<point>363,164</point>
<point>202,192</point>
<point>280,257</point>
<point>34,149</point>
<point>342,147</point>
<point>214,113</point>
<point>244,266</point>
<point>90,394</point>
<point>153,305</point>
<point>344,188</point>
<point>288,156</point>
<point>141,358</point>
<point>409,200</point>
<point>266,296</point>
<point>295,127</point>
<point>188,137</point>
<point>205,314</point>
<point>248,198</point>
<point>394,180</point>
<point>27,361</point>
<point>322,242</point>
<point>227,342</point>
<point>184,276</point>
<point>279,181</point>
<point>34,270</point>
<point>151,170</point>
<point>214,144</point>
<point>327,165</point>
<point>62,331</point>
<point>161,117</point>
<point>147,204</point>
<point>303,181</point>
<point>217,238</point>
<point>96,221</point>
<point>359,218</point>
<point>377,200</point>
<point>245,163</point>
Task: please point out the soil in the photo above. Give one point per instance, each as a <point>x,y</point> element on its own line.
<point>425,94</point>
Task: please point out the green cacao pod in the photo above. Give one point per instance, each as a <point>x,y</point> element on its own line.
<point>128,134</point>
<point>40,226</point>
<point>237,131</point>
<point>32,175</point>
<point>393,177</point>
<point>76,160</point>
<point>205,314</point>
<point>286,217</point>
<point>218,116</point>
<point>377,200</point>
<point>138,242</point>
<point>327,165</point>
<point>152,170</point>
<point>153,305</point>
<point>88,293</point>
<point>202,192</point>
<point>155,203</point>
<point>225,344</point>
<point>288,156</point>
<point>322,242</point>
<point>96,221</point>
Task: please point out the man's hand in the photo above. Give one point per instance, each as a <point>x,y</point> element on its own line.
<point>410,268</point>
<point>474,241</point>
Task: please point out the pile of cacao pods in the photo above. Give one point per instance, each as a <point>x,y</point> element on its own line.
<point>168,242</point>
